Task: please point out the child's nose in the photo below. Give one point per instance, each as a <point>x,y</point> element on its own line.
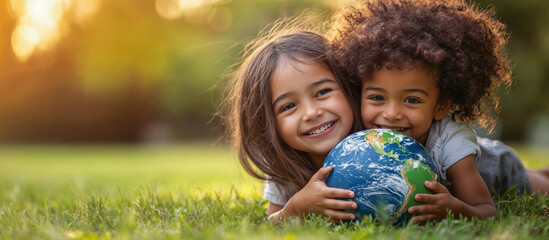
<point>393,111</point>
<point>312,111</point>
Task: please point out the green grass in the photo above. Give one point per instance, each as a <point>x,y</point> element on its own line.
<point>194,191</point>
<point>188,167</point>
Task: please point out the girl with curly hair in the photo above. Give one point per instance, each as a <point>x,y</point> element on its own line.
<point>429,69</point>
<point>286,110</point>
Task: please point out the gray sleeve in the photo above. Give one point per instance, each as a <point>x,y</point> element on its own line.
<point>459,144</point>
<point>449,142</point>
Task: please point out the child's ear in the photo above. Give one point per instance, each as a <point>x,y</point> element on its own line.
<point>442,109</point>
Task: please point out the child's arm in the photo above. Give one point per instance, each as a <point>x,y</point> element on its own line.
<point>316,198</point>
<point>472,198</point>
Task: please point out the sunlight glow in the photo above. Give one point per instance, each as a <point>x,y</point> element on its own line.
<point>84,9</point>
<point>336,4</point>
<point>190,5</point>
<point>197,12</point>
<point>40,23</point>
<point>168,9</point>
<point>221,20</point>
<point>24,39</point>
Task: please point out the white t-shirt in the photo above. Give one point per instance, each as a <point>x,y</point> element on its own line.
<point>277,193</point>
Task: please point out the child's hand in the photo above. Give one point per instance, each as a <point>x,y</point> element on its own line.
<point>317,198</point>
<point>435,204</point>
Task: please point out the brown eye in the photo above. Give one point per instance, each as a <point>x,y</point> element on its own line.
<point>323,92</point>
<point>412,100</point>
<point>376,98</point>
<point>287,107</point>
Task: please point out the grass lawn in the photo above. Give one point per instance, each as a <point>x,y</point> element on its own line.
<point>194,191</point>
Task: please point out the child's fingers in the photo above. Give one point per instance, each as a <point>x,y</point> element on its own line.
<point>338,193</point>
<point>425,198</point>
<point>436,187</point>
<point>321,173</point>
<point>336,216</point>
<point>422,209</point>
<point>340,204</point>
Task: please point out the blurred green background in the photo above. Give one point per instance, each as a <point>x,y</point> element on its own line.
<point>145,71</point>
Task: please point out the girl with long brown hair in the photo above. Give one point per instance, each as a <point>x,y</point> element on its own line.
<point>287,109</point>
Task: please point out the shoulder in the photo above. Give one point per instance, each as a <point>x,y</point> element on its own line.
<point>450,142</point>
<point>448,132</point>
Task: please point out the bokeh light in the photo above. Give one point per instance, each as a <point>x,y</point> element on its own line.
<point>83,10</point>
<point>221,19</point>
<point>112,70</point>
<point>168,9</point>
<point>197,12</point>
<point>40,24</point>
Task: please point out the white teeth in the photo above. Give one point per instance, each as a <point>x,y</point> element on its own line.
<point>396,129</point>
<point>321,129</point>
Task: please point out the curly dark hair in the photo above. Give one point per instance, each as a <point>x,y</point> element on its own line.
<point>462,44</point>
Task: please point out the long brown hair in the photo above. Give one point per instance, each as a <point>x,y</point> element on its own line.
<point>249,118</point>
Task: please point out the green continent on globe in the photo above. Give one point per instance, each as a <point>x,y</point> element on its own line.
<point>415,173</point>
<point>379,139</point>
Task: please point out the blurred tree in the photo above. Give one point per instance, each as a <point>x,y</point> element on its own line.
<point>526,102</point>
<point>135,69</point>
<point>129,68</point>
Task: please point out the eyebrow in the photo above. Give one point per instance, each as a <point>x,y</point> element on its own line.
<point>280,97</point>
<point>314,84</point>
<point>411,90</point>
<point>321,81</point>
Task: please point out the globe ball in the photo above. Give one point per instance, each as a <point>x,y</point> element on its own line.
<point>385,169</point>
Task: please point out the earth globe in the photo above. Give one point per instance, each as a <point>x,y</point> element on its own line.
<point>385,169</point>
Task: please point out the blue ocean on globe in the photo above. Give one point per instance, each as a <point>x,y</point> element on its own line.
<point>385,169</point>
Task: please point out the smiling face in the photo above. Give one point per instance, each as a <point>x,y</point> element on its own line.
<point>402,100</point>
<point>311,111</point>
